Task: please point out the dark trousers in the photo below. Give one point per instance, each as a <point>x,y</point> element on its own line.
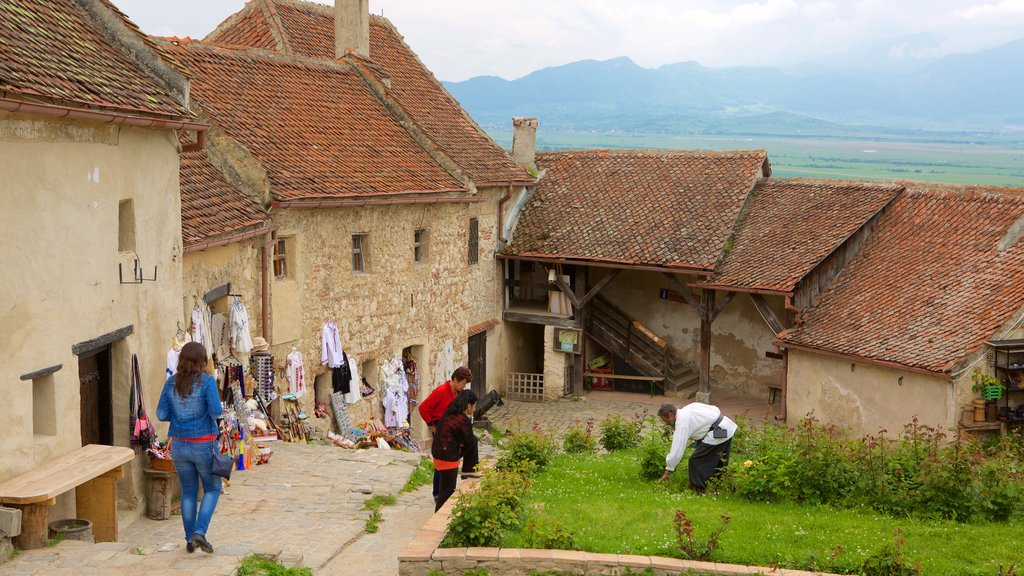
<point>445,480</point>
<point>707,461</point>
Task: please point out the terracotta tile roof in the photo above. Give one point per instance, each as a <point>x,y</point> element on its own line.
<point>210,206</point>
<point>659,208</point>
<point>313,125</point>
<point>791,225</point>
<point>929,286</point>
<point>307,29</point>
<point>247,27</point>
<point>50,50</point>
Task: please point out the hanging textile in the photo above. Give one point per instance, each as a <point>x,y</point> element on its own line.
<point>295,373</point>
<point>412,375</point>
<point>241,340</point>
<point>330,346</point>
<point>200,330</point>
<point>220,335</point>
<point>140,428</point>
<point>353,394</point>
<point>396,394</point>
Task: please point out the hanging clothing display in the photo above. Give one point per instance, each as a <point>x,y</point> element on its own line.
<point>330,346</point>
<point>353,395</point>
<point>341,379</point>
<point>295,373</point>
<point>395,394</point>
<point>261,366</point>
<point>200,330</point>
<point>241,340</point>
<point>220,335</point>
<point>412,375</point>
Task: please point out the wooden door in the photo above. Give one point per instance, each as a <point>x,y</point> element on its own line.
<point>96,398</point>
<point>478,362</point>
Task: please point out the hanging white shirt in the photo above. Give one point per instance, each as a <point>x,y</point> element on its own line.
<point>241,340</point>
<point>693,422</point>
<point>172,361</point>
<point>295,373</point>
<point>200,330</point>
<point>354,395</point>
<point>220,337</point>
<point>330,346</point>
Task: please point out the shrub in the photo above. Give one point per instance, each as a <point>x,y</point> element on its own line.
<point>652,457</point>
<point>534,445</point>
<point>580,439</point>
<point>889,561</point>
<point>689,545</point>
<point>479,517</point>
<point>618,433</point>
<point>549,535</point>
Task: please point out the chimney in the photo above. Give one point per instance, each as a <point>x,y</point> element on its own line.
<point>351,27</point>
<point>524,141</point>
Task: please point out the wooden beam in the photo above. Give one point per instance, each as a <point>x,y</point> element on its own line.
<point>600,285</point>
<point>707,308</point>
<point>218,292</point>
<point>725,302</point>
<point>685,292</point>
<point>566,290</point>
<point>559,321</point>
<point>767,313</point>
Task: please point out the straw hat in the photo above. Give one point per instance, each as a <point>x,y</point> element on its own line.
<point>259,344</point>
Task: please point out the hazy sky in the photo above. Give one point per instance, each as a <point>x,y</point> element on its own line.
<point>458,39</point>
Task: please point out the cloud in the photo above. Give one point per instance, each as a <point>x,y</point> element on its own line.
<point>989,10</point>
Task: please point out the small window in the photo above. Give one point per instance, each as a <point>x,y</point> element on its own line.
<point>419,245</point>
<point>281,259</point>
<point>474,241</point>
<point>126,225</point>
<point>44,406</point>
<point>359,252</point>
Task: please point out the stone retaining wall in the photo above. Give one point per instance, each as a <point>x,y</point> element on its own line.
<point>424,557</point>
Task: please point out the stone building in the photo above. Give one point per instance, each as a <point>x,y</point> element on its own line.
<point>89,149</point>
<point>384,198</point>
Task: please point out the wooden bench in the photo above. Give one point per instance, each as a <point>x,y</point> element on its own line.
<point>91,470</point>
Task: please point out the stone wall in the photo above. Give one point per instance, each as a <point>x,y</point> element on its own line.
<point>65,182</point>
<point>238,263</point>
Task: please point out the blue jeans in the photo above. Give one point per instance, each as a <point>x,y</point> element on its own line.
<point>194,461</point>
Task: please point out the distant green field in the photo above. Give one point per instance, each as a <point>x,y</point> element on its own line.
<point>993,162</point>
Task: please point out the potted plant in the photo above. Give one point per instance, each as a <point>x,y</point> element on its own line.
<point>990,387</point>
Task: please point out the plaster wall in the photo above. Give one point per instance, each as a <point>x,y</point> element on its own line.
<point>393,304</point>
<point>63,182</point>
<point>554,366</point>
<point>740,337</point>
<point>865,397</point>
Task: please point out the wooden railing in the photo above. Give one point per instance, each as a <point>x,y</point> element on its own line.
<point>524,386</point>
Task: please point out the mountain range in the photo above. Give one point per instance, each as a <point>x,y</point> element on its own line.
<point>979,92</point>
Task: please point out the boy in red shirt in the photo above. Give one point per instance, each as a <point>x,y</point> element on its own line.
<point>435,405</point>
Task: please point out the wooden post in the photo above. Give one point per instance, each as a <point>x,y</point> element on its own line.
<point>34,530</point>
<point>582,311</point>
<point>707,311</point>
<point>97,502</point>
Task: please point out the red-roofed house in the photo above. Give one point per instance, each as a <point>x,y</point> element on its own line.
<point>903,328</point>
<point>90,117</point>
<point>376,185</point>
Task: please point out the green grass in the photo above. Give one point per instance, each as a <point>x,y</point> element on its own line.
<point>608,508</point>
<point>253,566</point>
<point>375,502</point>
<point>373,522</point>
<point>421,476</point>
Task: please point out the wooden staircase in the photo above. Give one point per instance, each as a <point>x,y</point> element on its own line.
<point>639,347</point>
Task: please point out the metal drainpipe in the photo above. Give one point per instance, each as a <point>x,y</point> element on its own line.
<point>501,213</point>
<point>265,289</point>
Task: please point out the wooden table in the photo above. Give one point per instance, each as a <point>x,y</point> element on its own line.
<point>91,470</point>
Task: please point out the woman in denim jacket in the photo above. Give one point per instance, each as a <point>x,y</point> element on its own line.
<point>190,402</point>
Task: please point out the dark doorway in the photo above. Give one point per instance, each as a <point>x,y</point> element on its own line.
<point>478,362</point>
<point>96,394</point>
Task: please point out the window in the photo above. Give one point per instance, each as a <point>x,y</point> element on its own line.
<point>359,252</point>
<point>419,245</point>
<point>281,259</point>
<point>44,406</point>
<point>474,241</point>
<point>126,225</point>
